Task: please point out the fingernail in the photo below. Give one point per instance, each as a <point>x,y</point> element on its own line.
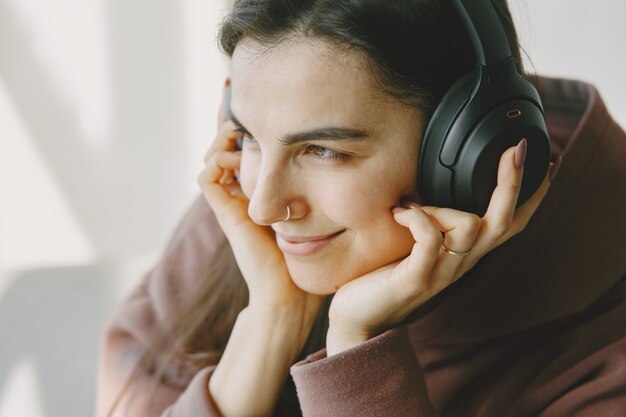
<point>520,154</point>
<point>405,206</point>
<point>554,170</point>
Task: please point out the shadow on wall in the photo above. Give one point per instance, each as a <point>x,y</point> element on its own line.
<point>121,194</point>
<point>55,318</point>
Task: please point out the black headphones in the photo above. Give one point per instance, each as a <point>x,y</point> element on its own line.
<point>484,113</point>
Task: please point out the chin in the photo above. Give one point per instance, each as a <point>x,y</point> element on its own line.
<point>316,280</point>
<point>325,274</point>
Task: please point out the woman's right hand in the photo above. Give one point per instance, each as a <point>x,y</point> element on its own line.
<point>258,257</point>
<point>272,330</point>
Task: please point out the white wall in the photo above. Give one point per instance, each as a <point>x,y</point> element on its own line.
<point>106,108</point>
<point>578,39</point>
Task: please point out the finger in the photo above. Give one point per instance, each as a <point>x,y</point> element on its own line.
<point>209,179</point>
<point>524,213</point>
<point>521,218</point>
<point>460,231</point>
<point>234,189</point>
<point>504,197</point>
<point>499,216</point>
<point>225,140</point>
<point>221,162</point>
<point>227,201</point>
<point>231,174</point>
<point>460,228</point>
<point>414,272</point>
<point>222,116</point>
<point>228,177</point>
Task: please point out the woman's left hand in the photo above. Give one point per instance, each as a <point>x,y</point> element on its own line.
<point>380,300</point>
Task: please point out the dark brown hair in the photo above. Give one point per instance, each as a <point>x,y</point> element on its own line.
<point>414,50</point>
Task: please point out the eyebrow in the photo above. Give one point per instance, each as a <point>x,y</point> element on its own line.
<point>324,133</point>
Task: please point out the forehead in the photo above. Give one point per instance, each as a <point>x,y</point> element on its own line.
<point>306,80</point>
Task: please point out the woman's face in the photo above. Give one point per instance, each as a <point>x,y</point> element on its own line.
<point>321,141</point>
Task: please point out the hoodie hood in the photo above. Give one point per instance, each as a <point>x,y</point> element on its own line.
<point>572,251</point>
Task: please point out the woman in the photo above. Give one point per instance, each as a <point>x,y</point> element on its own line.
<point>310,259</point>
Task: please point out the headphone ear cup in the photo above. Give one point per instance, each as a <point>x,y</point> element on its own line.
<point>484,113</point>
<point>476,169</point>
<point>434,179</point>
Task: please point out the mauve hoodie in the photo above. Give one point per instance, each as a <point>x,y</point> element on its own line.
<point>536,328</point>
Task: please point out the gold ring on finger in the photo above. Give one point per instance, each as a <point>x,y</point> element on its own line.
<point>451,252</point>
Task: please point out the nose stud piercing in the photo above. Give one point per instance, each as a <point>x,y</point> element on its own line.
<point>288,213</point>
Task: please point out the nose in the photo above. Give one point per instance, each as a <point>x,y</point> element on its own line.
<point>272,193</point>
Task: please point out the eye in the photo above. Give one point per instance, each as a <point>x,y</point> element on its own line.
<point>326,154</point>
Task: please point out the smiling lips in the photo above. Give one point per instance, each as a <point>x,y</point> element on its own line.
<point>304,245</point>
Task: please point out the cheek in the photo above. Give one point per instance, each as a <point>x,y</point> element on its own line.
<point>363,205</point>
<point>372,217</point>
<point>369,198</point>
<point>377,239</point>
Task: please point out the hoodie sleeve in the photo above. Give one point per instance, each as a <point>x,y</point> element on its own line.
<point>183,393</point>
<point>380,377</point>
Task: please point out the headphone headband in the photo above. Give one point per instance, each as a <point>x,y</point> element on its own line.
<point>485,29</point>
<point>486,111</point>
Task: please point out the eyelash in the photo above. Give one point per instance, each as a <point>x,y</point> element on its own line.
<point>329,154</point>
